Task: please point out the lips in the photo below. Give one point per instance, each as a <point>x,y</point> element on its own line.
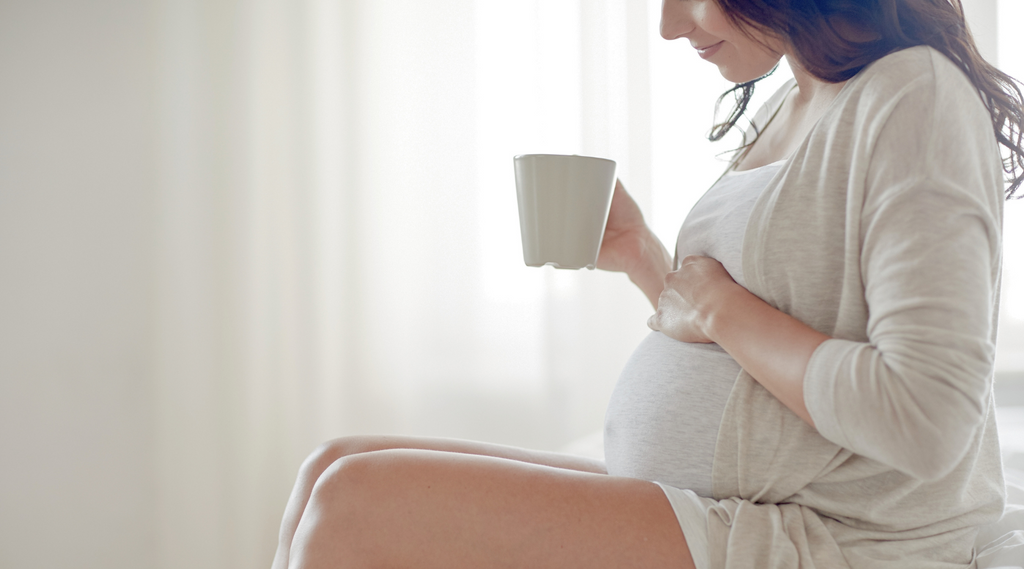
<point>709,50</point>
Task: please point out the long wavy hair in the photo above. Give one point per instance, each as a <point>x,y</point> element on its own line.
<point>834,39</point>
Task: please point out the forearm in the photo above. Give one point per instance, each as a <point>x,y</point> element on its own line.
<point>773,347</point>
<point>649,273</point>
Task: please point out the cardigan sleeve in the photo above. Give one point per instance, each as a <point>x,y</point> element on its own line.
<point>914,395</point>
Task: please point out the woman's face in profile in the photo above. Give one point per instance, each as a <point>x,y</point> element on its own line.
<point>740,56</point>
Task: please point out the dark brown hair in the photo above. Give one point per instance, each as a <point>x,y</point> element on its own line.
<point>834,39</point>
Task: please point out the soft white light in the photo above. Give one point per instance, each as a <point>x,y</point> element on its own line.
<point>1011,61</point>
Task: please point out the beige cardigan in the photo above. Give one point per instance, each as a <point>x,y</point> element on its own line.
<point>884,232</point>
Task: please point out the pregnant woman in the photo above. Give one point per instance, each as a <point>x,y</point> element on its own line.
<point>817,391</point>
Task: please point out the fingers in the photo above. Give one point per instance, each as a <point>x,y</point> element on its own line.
<point>654,322</point>
<point>676,318</point>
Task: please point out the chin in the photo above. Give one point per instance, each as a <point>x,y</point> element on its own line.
<point>742,76</point>
<point>746,73</point>
<point>734,77</point>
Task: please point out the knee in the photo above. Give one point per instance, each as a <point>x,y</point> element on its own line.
<point>348,483</point>
<point>344,516</point>
<point>329,452</point>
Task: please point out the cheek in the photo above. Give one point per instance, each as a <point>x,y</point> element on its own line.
<point>746,61</point>
<point>711,19</point>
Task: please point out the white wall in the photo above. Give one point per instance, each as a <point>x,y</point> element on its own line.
<point>76,239</point>
<point>982,19</point>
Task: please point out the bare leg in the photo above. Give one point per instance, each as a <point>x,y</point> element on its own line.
<point>426,509</point>
<point>329,452</point>
<point>431,509</point>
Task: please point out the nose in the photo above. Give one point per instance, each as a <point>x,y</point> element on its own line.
<point>676,20</point>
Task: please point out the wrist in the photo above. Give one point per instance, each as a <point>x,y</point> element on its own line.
<point>720,308</point>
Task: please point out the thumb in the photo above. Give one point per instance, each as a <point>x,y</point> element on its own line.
<point>653,322</point>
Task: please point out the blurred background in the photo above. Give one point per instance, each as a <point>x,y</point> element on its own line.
<point>231,229</point>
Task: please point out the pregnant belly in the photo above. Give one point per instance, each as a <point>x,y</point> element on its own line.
<point>663,417</point>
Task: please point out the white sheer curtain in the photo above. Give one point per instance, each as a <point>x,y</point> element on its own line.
<point>339,248</point>
<point>1010,357</point>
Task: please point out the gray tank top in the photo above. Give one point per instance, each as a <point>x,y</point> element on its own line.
<point>663,417</point>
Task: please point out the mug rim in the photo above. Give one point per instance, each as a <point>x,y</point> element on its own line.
<point>521,156</point>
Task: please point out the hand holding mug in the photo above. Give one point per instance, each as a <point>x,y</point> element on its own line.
<point>624,235</point>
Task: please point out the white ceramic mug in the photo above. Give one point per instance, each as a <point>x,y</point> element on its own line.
<point>563,208</point>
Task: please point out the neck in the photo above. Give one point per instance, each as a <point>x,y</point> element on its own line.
<point>811,91</point>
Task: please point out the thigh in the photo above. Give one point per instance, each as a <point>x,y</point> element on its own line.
<point>431,509</point>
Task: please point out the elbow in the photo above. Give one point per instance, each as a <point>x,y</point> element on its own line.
<point>932,465</point>
<point>917,409</point>
<point>936,415</point>
<point>939,449</point>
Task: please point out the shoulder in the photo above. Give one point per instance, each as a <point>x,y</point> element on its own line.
<point>918,121</point>
<point>913,106</point>
<point>910,118</point>
<point>919,83</point>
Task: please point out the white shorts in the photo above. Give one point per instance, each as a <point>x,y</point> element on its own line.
<point>692,512</point>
